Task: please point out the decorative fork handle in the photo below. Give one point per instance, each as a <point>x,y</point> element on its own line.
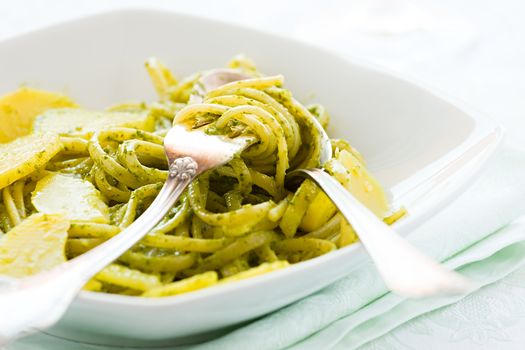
<point>39,301</point>
<point>405,270</point>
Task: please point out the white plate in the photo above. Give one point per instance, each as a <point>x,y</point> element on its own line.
<point>424,148</point>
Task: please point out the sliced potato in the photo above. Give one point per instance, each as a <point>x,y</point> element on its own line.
<point>36,245</point>
<point>84,123</point>
<point>351,173</point>
<point>26,154</point>
<point>19,109</point>
<point>74,198</point>
<point>320,210</point>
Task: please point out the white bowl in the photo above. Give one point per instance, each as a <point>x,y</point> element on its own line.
<point>424,148</point>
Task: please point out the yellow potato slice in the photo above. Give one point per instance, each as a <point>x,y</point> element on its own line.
<point>26,154</point>
<point>351,173</point>
<point>19,109</point>
<point>36,245</point>
<point>84,123</point>
<point>74,198</point>
<point>319,212</point>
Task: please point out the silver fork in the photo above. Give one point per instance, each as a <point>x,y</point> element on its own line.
<point>39,301</point>
<point>404,269</point>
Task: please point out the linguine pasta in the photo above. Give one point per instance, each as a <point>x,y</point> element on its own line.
<point>84,176</point>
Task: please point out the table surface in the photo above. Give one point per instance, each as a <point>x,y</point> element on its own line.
<point>471,49</point>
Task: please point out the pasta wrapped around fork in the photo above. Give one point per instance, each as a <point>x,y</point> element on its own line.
<point>236,221</point>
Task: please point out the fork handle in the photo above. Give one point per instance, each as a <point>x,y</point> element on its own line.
<point>404,269</point>
<point>39,301</point>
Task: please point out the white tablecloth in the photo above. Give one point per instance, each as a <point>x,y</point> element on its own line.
<point>471,49</point>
